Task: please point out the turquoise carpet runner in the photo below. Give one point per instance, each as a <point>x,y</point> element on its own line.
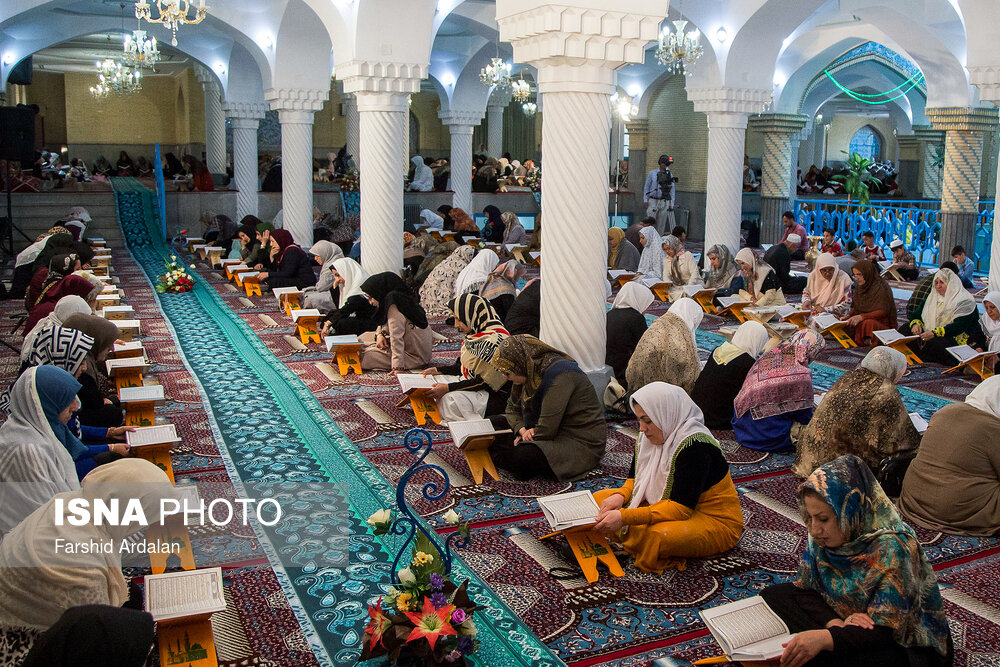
<point>279,442</point>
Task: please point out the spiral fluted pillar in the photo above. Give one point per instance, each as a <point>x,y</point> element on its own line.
<point>245,118</point>
<point>987,79</point>
<point>215,125</point>
<point>461,124</point>
<point>494,121</point>
<point>406,137</point>
<point>353,128</point>
<point>781,133</point>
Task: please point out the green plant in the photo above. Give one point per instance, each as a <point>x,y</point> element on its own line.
<point>856,179</point>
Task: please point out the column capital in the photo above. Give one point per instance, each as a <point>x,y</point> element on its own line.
<point>928,133</point>
<point>500,98</point>
<point>778,123</point>
<point>245,110</point>
<point>729,100</point>
<point>381,77</point>
<point>296,99</point>
<point>987,79</point>
<point>204,76</point>
<point>962,119</point>
<point>461,117</point>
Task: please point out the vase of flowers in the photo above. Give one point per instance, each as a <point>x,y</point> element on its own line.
<point>351,182</point>
<point>534,180</point>
<point>176,279</point>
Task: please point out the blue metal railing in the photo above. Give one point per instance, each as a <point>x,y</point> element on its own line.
<point>916,223</point>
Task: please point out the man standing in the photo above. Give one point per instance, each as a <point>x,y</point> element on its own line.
<point>658,195</point>
<point>792,227</point>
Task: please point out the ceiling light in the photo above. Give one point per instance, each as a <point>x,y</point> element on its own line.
<point>721,35</point>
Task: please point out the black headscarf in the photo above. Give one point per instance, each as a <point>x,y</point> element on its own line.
<point>83,252</point>
<point>495,226</point>
<point>174,165</point>
<point>94,635</point>
<point>58,244</point>
<point>444,211</point>
<point>389,290</point>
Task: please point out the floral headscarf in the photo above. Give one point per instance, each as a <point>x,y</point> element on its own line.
<point>723,276</point>
<point>480,346</point>
<point>529,357</point>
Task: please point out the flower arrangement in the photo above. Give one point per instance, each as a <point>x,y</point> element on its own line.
<point>351,182</point>
<point>534,180</point>
<point>176,279</point>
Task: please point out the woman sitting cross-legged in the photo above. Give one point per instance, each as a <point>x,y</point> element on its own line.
<point>865,593</point>
<point>667,352</point>
<point>679,501</point>
<point>402,341</point>
<point>777,393</point>
<point>724,373</point>
<point>557,422</point>
<point>625,326</point>
<point>953,485</point>
<point>873,306</point>
<point>827,287</point>
<point>723,275</point>
<point>862,414</point>
<point>760,284</point>
<point>948,317</point>
<point>483,390</point>
<point>294,266</point>
<point>320,295</point>
<point>354,313</point>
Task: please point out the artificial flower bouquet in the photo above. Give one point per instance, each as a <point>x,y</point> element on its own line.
<point>176,279</point>
<point>534,180</point>
<point>351,182</point>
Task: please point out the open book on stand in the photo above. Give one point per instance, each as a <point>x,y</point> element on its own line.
<point>890,336</point>
<point>464,431</point>
<point>569,510</point>
<point>177,595</point>
<point>747,629</point>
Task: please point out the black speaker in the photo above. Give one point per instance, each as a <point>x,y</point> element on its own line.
<point>17,134</point>
<point>20,74</point>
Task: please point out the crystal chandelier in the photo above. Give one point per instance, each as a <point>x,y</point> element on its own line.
<point>529,109</point>
<point>678,49</point>
<point>497,73</point>
<point>624,107</point>
<point>521,90</point>
<point>139,51</point>
<point>113,78</point>
<point>171,13</point>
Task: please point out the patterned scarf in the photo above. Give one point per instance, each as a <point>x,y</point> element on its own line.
<point>481,344</point>
<point>880,569</point>
<point>503,280</point>
<point>780,381</point>
<point>723,276</point>
<point>529,357</point>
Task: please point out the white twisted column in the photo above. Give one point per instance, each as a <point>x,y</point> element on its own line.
<point>494,121</point>
<point>215,125</point>
<point>461,123</point>
<point>406,137</point>
<point>353,128</point>
<point>382,120</point>
<point>724,187</point>
<point>296,173</point>
<point>987,80</point>
<point>245,117</point>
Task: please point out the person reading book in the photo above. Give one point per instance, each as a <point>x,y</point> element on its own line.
<point>557,423</point>
<point>679,501</point>
<point>865,592</point>
<point>668,351</point>
<point>725,371</point>
<point>760,285</point>
<point>403,338</point>
<point>873,306</point>
<point>827,287</point>
<point>626,325</point>
<point>353,314</point>
<point>723,275</point>
<point>948,317</point>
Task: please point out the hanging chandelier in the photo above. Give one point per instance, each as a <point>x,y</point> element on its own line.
<point>497,73</point>
<point>623,106</point>
<point>529,109</point>
<point>171,13</point>
<point>140,52</point>
<point>115,79</point>
<point>521,90</point>
<point>678,49</point>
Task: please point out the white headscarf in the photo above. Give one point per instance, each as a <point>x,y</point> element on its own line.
<point>423,177</point>
<point>30,452</point>
<point>826,293</point>
<point>474,275</point>
<point>607,289</point>
<point>886,362</point>
<point>353,276</point>
<point>751,337</point>
<point>634,295</point>
<point>940,310</point>
<point>986,396</point>
<point>66,306</point>
<point>651,259</point>
<point>991,326</point>
<point>432,219</point>
<point>59,580</point>
<point>759,269</point>
<point>28,255</point>
<point>690,312</point>
<point>673,412</point>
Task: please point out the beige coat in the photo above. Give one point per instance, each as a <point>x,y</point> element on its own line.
<point>409,347</point>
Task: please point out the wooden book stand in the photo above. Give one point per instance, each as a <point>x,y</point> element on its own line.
<point>252,286</point>
<point>903,346</point>
<point>839,333</point>
<point>423,406</point>
<point>174,532</point>
<point>736,310</point>
<point>589,547</point>
<point>477,455</point>
<point>188,642</point>
<point>349,358</point>
<point>977,364</point>
<point>158,455</point>
<point>307,327</point>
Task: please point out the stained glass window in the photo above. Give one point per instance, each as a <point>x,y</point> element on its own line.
<point>867,143</point>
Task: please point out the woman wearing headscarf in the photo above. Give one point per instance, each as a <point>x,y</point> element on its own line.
<point>652,258</point>
<point>679,266</point>
<point>679,501</point>
<point>486,176</point>
<point>865,592</point>
<point>667,352</point>
<point>142,167</point>
<point>173,166</point>
<point>524,315</point>
<point>201,178</point>
<point>760,285</point>
<point>622,255</point>
<point>862,414</point>
<point>319,295</point>
<point>57,244</point>
<point>85,635</point>
<point>125,166</point>
<point>535,243</point>
<point>777,393</point>
<point>474,276</point>
<point>557,423</point>
<point>513,230</point>
<point>30,451</point>
<point>990,321</point>
<point>626,326</point>
<point>872,306</point>
<point>953,484</point>
<point>439,287</point>
<point>99,405</point>
<point>949,317</point>
<point>415,249</point>
<point>227,231</point>
<point>353,314</point>
<point>56,290</point>
<point>494,227</point>
<point>250,250</point>
<point>723,275</point>
<point>66,306</point>
<point>482,389</point>
<point>725,372</point>
<point>294,266</point>
<point>57,580</point>
<point>102,167</point>
<point>423,177</point>
<point>402,341</point>
<point>431,220</point>
<point>500,288</point>
<point>827,288</point>
<point>463,225</point>
<point>24,268</point>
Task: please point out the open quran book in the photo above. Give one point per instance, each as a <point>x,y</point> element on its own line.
<point>747,629</point>
<point>919,422</point>
<point>730,301</point>
<point>463,431</point>
<point>824,321</point>
<point>890,336</point>
<point>147,436</point>
<point>568,510</point>
<point>964,353</point>
<point>181,594</point>
<point>333,342</point>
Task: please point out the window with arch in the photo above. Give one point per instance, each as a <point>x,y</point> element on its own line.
<point>867,143</point>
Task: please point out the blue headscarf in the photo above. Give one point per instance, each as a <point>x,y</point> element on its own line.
<point>56,390</point>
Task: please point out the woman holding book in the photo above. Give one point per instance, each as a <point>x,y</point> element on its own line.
<point>320,295</point>
<point>679,501</point>
<point>827,287</point>
<point>402,341</point>
<point>953,484</point>
<point>293,265</point>
<point>626,325</point>
<point>652,257</point>
<point>622,255</point>
<point>948,318</point>
<point>667,351</point>
<point>862,414</point>
<point>873,306</point>
<point>353,314</point>
<point>990,321</point>
<point>679,266</point>
<point>761,286</point>
<point>723,275</point>
<point>99,404</point>
<point>865,593</point>
<point>483,390</point>
<point>250,251</point>
<point>777,394</point>
<point>557,423</point>
<point>470,279</point>
<point>724,373</point>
